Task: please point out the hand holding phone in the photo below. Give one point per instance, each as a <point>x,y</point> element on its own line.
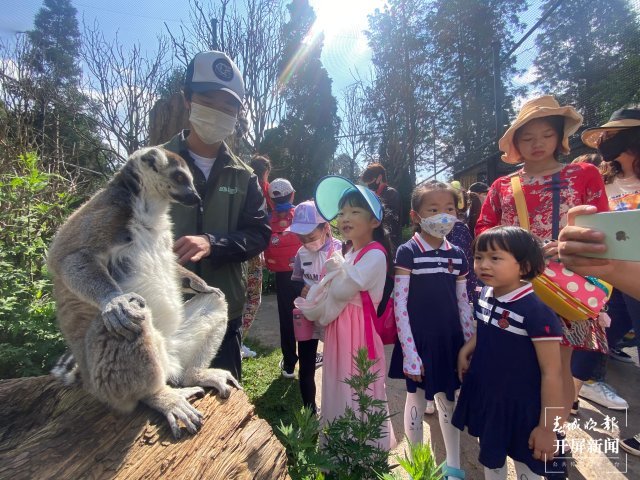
<point>621,230</point>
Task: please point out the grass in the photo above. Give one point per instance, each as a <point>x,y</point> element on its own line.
<point>275,398</point>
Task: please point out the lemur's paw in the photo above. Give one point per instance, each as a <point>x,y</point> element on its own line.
<point>220,380</point>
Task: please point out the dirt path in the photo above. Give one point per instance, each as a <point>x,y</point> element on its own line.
<point>625,378</point>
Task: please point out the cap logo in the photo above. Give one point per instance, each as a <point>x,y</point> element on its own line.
<point>222,69</point>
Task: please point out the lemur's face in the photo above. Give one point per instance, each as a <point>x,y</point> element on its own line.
<point>170,175</point>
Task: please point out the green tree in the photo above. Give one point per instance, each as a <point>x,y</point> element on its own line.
<point>302,145</point>
<point>462,32</point>
<point>56,41</point>
<point>589,56</point>
<point>60,111</point>
<point>401,94</point>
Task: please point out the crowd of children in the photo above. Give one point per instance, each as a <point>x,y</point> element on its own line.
<point>493,357</point>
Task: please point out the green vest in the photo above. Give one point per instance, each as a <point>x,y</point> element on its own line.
<point>223,198</point>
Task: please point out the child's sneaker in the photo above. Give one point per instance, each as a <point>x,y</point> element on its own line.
<point>431,407</point>
<point>319,359</point>
<point>631,445</point>
<point>285,374</point>
<point>246,352</point>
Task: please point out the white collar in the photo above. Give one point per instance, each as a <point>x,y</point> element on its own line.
<point>514,295</point>
<point>425,247</point>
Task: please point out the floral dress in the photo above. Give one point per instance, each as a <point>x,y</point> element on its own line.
<point>580,184</point>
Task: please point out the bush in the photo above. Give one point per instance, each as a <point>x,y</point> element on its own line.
<point>33,203</point>
<point>348,452</point>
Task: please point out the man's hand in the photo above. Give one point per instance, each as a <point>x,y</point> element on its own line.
<point>192,248</point>
<point>304,291</point>
<point>550,250</point>
<point>575,242</point>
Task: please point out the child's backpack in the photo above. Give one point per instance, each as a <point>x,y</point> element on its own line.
<point>283,245</point>
<point>383,319</point>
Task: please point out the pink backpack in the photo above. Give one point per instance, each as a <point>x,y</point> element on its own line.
<point>383,320</point>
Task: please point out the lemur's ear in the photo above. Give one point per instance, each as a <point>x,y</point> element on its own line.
<point>150,158</point>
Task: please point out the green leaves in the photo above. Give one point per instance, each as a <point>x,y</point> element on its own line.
<point>31,208</point>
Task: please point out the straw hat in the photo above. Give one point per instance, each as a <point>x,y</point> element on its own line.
<point>545,106</point>
<point>620,120</point>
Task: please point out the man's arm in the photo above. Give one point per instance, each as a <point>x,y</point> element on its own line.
<point>253,233</point>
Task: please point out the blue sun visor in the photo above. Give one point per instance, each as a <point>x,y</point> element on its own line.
<point>332,188</point>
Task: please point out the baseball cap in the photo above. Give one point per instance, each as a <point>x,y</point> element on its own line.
<point>305,218</point>
<point>330,191</point>
<point>214,70</point>
<point>280,187</point>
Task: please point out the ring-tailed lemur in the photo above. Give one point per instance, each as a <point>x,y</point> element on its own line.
<point>118,290</point>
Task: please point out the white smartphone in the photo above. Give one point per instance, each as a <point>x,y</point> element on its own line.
<point>622,233</point>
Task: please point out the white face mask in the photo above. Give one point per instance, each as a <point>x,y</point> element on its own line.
<point>438,225</point>
<point>211,125</point>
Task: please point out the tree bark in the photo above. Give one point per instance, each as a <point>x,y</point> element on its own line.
<point>51,431</point>
<point>167,117</point>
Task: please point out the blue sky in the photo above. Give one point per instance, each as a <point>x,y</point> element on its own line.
<point>343,22</point>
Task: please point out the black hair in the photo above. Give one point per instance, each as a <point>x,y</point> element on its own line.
<point>354,198</point>
<point>427,187</point>
<point>260,164</point>
<point>372,171</point>
<point>520,243</point>
<point>283,199</point>
<point>475,206</point>
<point>479,187</point>
<point>556,122</point>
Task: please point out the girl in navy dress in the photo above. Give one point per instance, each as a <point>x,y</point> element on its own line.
<point>510,369</point>
<point>431,307</point>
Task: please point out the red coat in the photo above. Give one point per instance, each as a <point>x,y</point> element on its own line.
<point>283,246</point>
<point>581,185</point>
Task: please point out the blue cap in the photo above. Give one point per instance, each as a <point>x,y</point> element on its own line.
<point>332,188</point>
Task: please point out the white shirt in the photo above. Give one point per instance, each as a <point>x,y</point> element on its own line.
<point>203,163</point>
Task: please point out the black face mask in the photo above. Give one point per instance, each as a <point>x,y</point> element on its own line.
<point>373,186</point>
<point>613,147</point>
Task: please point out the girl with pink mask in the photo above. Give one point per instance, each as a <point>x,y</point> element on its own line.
<point>314,232</point>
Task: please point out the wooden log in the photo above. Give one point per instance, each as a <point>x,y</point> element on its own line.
<point>51,431</point>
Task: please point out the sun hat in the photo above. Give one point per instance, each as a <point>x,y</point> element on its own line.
<point>280,187</point>
<point>545,106</point>
<point>305,218</point>
<point>620,120</point>
<point>214,70</point>
<point>332,188</point>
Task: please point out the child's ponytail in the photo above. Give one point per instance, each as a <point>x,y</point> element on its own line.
<point>381,235</point>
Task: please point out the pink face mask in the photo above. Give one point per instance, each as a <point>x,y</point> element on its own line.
<point>315,245</point>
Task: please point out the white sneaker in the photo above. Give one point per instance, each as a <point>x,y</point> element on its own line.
<point>603,394</point>
<point>284,373</point>
<point>431,407</point>
<point>246,352</point>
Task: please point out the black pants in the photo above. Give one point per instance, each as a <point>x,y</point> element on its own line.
<point>228,356</point>
<point>285,294</point>
<point>307,371</point>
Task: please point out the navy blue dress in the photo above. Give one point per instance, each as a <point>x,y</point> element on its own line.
<point>500,397</point>
<point>433,315</point>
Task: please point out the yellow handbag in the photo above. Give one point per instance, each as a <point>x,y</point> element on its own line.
<point>570,295</point>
